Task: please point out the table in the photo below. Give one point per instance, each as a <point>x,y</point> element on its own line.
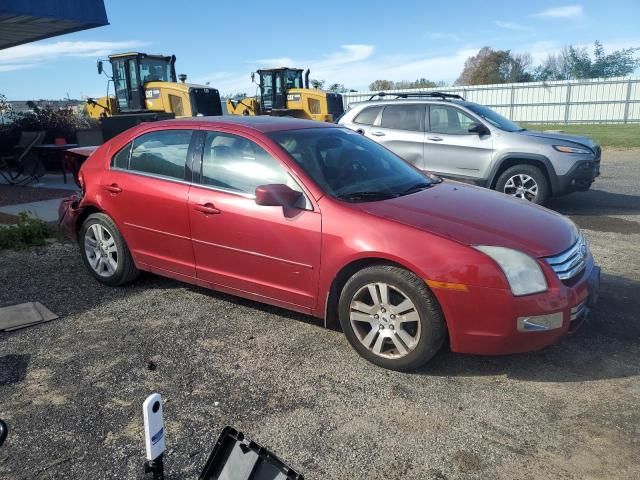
<point>55,149</point>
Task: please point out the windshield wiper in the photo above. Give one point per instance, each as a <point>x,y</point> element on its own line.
<point>366,195</point>
<point>416,188</point>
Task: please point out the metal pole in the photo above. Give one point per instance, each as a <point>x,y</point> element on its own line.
<point>627,103</point>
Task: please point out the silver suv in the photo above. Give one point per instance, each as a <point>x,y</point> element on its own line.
<point>446,135</point>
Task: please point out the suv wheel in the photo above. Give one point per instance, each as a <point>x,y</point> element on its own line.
<point>526,182</point>
<point>391,318</point>
<point>104,251</point>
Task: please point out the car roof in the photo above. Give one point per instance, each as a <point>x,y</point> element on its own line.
<point>261,123</point>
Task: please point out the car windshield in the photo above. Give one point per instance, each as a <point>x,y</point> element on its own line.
<point>494,118</point>
<point>349,166</point>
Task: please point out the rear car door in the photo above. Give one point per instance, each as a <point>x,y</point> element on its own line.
<point>364,121</point>
<point>401,130</point>
<point>146,193</point>
<point>450,149</point>
<point>245,248</point>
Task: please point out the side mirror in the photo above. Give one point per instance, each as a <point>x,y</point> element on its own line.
<point>100,69</point>
<point>276,195</point>
<point>478,128</point>
<point>253,77</point>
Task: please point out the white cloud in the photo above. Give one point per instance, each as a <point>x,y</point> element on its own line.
<point>512,26</point>
<point>23,55</point>
<point>12,67</point>
<point>567,11</point>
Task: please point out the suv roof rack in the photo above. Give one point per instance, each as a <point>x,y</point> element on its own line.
<point>441,95</point>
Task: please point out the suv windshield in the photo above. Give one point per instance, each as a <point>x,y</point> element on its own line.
<point>349,166</point>
<point>494,118</point>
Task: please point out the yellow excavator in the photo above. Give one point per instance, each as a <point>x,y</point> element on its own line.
<point>281,92</point>
<point>146,89</point>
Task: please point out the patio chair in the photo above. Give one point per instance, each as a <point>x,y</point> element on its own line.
<point>24,166</point>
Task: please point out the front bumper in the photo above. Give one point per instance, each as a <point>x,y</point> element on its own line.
<point>580,176</point>
<point>485,321</point>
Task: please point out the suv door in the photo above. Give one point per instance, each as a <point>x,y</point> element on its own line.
<point>401,130</point>
<point>146,193</point>
<point>247,248</point>
<point>363,121</point>
<point>450,149</point>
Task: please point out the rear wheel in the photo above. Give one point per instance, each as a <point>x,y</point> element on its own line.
<point>526,182</point>
<point>104,251</point>
<point>391,318</point>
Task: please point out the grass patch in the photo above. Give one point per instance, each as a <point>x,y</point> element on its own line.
<point>618,136</point>
<point>29,231</point>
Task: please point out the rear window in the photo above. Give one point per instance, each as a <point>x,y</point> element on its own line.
<point>367,116</point>
<point>404,117</point>
<point>162,153</point>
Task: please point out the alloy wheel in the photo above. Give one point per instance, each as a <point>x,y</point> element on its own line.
<point>385,320</point>
<point>521,186</point>
<point>101,250</point>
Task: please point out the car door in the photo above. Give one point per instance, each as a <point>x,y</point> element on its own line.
<point>146,193</point>
<point>450,149</point>
<point>253,250</point>
<point>401,130</point>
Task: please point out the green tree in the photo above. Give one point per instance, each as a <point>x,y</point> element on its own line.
<point>315,83</point>
<point>379,85</point>
<point>495,66</point>
<point>338,88</point>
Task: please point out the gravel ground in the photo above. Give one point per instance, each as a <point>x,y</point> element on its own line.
<point>72,389</point>
<point>16,194</point>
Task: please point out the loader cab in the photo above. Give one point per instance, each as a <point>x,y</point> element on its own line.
<point>131,71</point>
<point>274,84</point>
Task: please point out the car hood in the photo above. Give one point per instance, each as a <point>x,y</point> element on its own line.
<point>477,216</point>
<point>562,137</point>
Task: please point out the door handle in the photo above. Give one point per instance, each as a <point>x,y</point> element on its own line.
<point>113,188</point>
<point>435,139</point>
<point>207,209</point>
<point>378,134</point>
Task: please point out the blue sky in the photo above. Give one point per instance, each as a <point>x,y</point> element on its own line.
<point>346,42</point>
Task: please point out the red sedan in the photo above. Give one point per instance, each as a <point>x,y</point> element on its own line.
<point>316,218</point>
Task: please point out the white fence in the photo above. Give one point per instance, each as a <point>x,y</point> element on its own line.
<point>602,100</point>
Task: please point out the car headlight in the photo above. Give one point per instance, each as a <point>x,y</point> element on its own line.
<point>522,271</point>
<point>565,149</point>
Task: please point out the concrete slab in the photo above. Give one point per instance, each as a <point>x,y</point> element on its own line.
<point>46,210</point>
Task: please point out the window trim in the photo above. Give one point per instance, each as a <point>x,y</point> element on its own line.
<point>384,107</point>
<point>191,149</point>
<point>454,108</point>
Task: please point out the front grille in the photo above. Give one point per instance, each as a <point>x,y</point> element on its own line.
<point>578,311</point>
<point>335,105</point>
<point>570,262</point>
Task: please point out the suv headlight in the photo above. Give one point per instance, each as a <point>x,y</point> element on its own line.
<point>522,271</point>
<point>565,149</point>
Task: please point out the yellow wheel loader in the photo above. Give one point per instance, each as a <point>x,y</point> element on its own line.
<point>281,92</point>
<point>146,89</point>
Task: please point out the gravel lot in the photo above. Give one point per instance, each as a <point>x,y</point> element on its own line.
<point>72,389</point>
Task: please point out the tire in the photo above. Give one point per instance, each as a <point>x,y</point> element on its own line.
<point>522,180</point>
<point>102,247</point>
<point>374,328</point>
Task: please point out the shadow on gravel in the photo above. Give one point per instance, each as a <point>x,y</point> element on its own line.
<point>13,368</point>
<point>607,346</point>
<point>596,202</point>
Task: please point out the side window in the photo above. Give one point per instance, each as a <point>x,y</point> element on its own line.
<point>234,163</point>
<point>367,116</point>
<point>162,153</point>
<point>404,117</point>
<point>445,119</point>
<point>121,159</point>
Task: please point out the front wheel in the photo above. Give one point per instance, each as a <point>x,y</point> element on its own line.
<point>104,251</point>
<point>391,318</point>
<point>526,182</point>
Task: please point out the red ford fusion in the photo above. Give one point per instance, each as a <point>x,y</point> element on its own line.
<point>316,218</point>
